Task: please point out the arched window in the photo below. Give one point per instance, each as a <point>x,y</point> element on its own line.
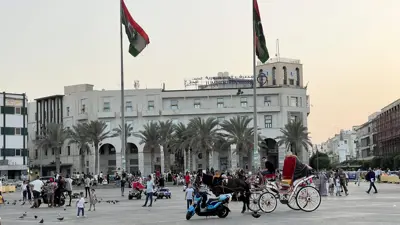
<point>274,76</point>
<point>297,76</point>
<point>284,75</point>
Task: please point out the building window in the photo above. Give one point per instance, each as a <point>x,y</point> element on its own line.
<point>17,131</point>
<point>274,76</point>
<point>297,76</point>
<point>268,121</point>
<point>294,101</point>
<point>83,110</point>
<point>291,81</point>
<point>68,111</point>
<point>220,103</point>
<point>69,150</point>
<point>197,104</point>
<point>36,154</point>
<point>106,107</point>
<point>267,100</point>
<point>17,110</point>
<point>284,75</point>
<point>128,106</point>
<point>293,118</point>
<point>52,151</point>
<point>243,102</point>
<point>150,105</point>
<point>45,152</point>
<point>17,152</point>
<point>345,141</point>
<point>174,104</point>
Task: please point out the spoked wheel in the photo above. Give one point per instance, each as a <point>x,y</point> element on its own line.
<point>254,199</point>
<point>308,199</point>
<point>267,202</point>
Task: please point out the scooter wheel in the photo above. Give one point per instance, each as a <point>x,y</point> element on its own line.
<point>188,215</point>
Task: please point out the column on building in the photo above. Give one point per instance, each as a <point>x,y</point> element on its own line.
<point>162,159</point>
<point>185,161</point>
<point>233,158</point>
<point>141,159</point>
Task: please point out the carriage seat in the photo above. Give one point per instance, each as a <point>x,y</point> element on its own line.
<point>270,177</point>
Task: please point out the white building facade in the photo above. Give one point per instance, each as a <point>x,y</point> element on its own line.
<point>342,146</point>
<point>14,135</point>
<point>366,138</point>
<point>279,99</point>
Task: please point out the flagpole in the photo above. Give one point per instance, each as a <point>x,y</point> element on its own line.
<point>255,143</point>
<point>123,139</point>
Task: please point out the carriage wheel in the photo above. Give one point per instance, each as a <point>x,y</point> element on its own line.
<point>308,199</point>
<point>253,205</point>
<point>292,203</point>
<point>267,202</point>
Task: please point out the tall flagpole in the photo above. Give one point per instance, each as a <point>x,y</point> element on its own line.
<point>255,144</point>
<point>123,139</point>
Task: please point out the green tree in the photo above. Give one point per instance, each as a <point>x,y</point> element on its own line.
<point>53,138</point>
<point>320,161</point>
<point>295,137</point>
<point>237,132</point>
<point>96,132</point>
<point>117,132</point>
<point>203,135</point>
<point>180,142</point>
<point>166,135</point>
<point>78,137</point>
<point>150,137</point>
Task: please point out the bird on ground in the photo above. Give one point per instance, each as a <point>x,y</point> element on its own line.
<point>21,217</point>
<point>59,217</point>
<point>41,221</point>
<point>35,217</point>
<point>23,203</point>
<point>116,201</point>
<point>25,214</point>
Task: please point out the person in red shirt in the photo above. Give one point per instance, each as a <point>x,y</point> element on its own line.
<point>187,179</point>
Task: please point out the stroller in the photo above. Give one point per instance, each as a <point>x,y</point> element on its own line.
<point>137,190</point>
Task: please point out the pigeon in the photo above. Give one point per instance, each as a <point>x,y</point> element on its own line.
<point>255,215</point>
<point>23,203</point>
<point>116,201</point>
<point>35,217</point>
<point>60,218</point>
<point>14,203</point>
<point>20,200</point>
<point>41,221</point>
<point>25,214</point>
<point>21,217</point>
<point>65,209</point>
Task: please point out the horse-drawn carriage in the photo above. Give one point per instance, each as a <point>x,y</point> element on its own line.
<point>296,189</point>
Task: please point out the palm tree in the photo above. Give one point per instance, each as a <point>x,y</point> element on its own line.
<point>295,136</point>
<point>128,132</point>
<point>203,136</point>
<point>238,132</point>
<point>53,138</point>
<point>78,137</point>
<point>96,133</point>
<point>166,133</point>
<point>150,137</point>
<point>179,141</point>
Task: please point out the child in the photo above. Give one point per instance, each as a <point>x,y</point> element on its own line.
<point>337,184</point>
<point>331,185</point>
<point>1,199</point>
<point>80,204</point>
<point>189,193</point>
<point>93,200</point>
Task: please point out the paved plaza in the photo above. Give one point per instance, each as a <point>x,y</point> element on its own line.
<point>357,208</point>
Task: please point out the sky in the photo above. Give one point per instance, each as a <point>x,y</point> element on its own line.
<point>349,49</point>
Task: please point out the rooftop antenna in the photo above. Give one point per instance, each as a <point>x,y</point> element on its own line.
<point>277,54</point>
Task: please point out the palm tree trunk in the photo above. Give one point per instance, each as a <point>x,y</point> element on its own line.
<point>97,158</point>
<point>82,162</point>
<point>58,160</point>
<point>207,159</point>
<point>250,159</point>
<point>167,159</point>
<point>152,160</point>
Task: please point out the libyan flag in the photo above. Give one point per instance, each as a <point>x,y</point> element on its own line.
<point>138,38</point>
<point>261,44</point>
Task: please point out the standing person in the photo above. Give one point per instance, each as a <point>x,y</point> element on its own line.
<point>123,181</point>
<point>371,178</point>
<point>108,178</point>
<point>342,178</point>
<point>24,191</point>
<point>87,186</point>
<point>189,194</point>
<point>80,204</point>
<point>358,177</point>
<point>149,191</point>
<point>68,188</point>
<point>187,179</point>
<point>59,189</point>
<point>37,188</point>
<point>93,200</point>
<point>50,188</point>
<point>101,178</point>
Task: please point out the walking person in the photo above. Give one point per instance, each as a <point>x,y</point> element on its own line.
<point>123,182</point>
<point>149,191</point>
<point>80,204</point>
<point>36,189</point>
<point>342,178</point>
<point>371,178</point>
<point>50,188</point>
<point>93,200</point>
<point>358,177</point>
<point>87,186</point>
<point>189,194</point>
<point>68,188</point>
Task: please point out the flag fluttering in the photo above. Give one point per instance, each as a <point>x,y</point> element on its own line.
<point>261,44</point>
<point>138,38</point>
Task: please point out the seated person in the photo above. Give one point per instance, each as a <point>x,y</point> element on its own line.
<point>269,167</point>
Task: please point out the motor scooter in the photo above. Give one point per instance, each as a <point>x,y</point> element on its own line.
<point>214,206</point>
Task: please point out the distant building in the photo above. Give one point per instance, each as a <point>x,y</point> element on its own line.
<point>281,97</point>
<point>14,135</point>
<point>388,130</point>
<point>366,139</point>
<point>341,147</point>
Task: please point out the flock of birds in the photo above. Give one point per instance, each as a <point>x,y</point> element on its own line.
<point>59,217</point>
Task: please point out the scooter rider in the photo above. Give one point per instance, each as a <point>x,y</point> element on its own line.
<point>201,190</point>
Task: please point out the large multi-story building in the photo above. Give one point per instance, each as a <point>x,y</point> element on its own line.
<point>388,130</point>
<point>14,135</point>
<point>366,138</point>
<point>280,97</point>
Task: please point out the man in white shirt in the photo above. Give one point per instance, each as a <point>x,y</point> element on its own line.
<point>37,188</point>
<point>149,191</point>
